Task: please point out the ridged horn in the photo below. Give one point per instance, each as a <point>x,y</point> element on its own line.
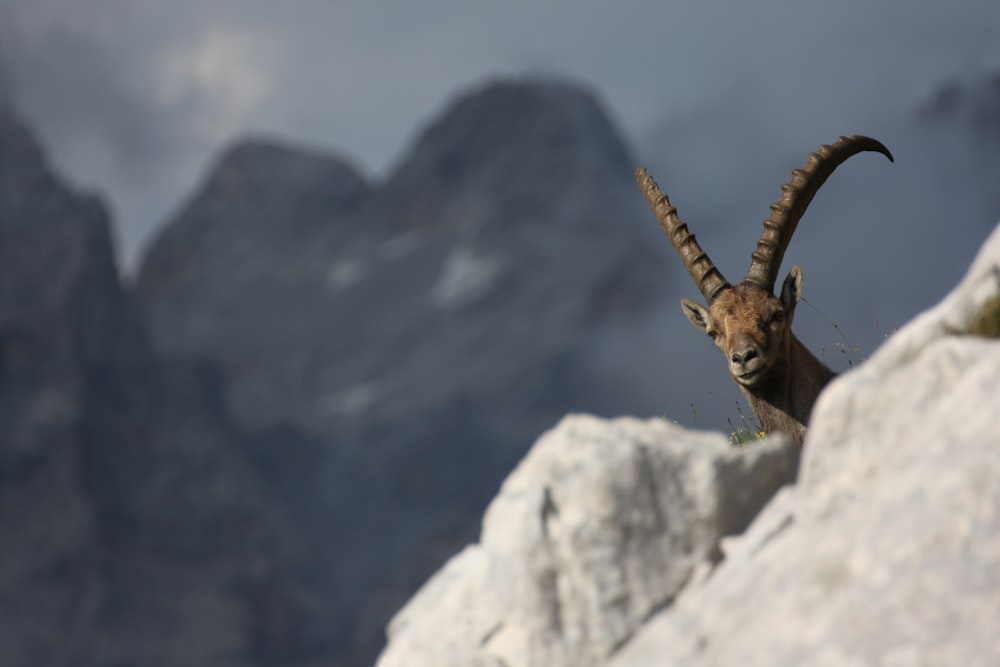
<point>795,198</point>
<point>708,278</point>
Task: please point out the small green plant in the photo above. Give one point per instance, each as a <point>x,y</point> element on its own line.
<point>746,431</point>
<point>986,323</point>
<point>987,320</point>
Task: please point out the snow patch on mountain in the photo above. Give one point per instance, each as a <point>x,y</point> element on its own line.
<point>398,246</point>
<point>354,399</point>
<point>344,273</point>
<point>465,277</point>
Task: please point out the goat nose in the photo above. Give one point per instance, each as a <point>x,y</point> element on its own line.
<point>744,356</point>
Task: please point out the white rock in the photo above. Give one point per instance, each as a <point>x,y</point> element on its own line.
<point>600,525</point>
<point>888,550</point>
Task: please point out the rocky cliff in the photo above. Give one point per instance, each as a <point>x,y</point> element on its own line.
<point>882,553</point>
<point>60,307</point>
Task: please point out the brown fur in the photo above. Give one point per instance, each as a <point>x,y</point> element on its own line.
<point>779,377</point>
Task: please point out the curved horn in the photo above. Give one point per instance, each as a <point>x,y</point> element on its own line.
<point>708,278</point>
<point>795,198</point>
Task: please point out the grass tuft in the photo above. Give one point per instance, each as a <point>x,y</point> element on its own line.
<point>748,429</point>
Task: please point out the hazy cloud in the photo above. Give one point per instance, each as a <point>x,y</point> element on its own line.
<point>221,78</point>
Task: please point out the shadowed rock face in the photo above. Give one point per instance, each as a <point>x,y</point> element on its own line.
<point>135,529</point>
<point>51,246</point>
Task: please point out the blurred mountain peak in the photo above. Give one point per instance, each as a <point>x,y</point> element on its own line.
<point>531,138</point>
<point>260,166</point>
<point>415,328</point>
<point>341,392</point>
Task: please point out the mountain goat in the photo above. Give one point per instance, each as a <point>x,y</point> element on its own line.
<point>752,326</point>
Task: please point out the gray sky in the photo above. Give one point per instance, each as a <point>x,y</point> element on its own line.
<point>133,97</point>
<point>720,99</point>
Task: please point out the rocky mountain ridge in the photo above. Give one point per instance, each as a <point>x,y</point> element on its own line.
<point>416,333</point>
<point>315,387</point>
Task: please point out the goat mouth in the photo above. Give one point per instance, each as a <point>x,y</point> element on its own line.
<point>750,377</point>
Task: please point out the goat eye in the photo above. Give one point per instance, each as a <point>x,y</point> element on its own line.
<point>778,317</point>
<point>713,334</point>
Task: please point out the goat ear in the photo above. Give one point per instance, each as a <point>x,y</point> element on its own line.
<point>791,291</point>
<point>697,313</point>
